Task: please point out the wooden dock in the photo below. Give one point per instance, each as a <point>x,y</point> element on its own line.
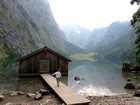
<point>69,96</point>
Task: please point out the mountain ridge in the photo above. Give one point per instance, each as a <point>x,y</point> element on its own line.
<point>116,41</point>
<point>28,26</point>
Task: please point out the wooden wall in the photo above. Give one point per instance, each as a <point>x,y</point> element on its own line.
<point>31,65</point>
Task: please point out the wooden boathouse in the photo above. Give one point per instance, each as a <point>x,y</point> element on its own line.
<point>44,62</point>
<point>41,61</point>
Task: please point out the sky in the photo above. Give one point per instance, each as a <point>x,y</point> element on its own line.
<point>91,13</point>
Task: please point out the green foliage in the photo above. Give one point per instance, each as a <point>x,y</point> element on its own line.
<point>80,57</point>
<point>135,1</point>
<point>1,31</point>
<point>2,51</point>
<point>135,22</point>
<point>8,56</point>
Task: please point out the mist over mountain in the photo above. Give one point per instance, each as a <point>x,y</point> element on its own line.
<point>26,26</point>
<point>117,42</point>
<point>114,33</point>
<point>114,42</point>
<point>76,34</point>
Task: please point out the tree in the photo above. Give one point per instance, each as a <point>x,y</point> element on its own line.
<point>135,22</point>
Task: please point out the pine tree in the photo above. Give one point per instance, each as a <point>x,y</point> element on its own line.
<point>135,22</point>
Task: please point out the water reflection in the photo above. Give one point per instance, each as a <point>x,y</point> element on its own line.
<point>30,85</point>
<point>21,84</point>
<point>92,90</point>
<point>104,78</point>
<point>8,62</point>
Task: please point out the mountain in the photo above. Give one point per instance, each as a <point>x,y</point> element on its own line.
<point>75,34</point>
<point>26,26</point>
<point>114,42</point>
<point>115,33</point>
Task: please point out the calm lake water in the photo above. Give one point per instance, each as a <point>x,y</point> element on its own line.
<point>96,78</point>
<point>104,78</point>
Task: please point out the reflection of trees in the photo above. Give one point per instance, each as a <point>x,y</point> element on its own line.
<point>34,84</point>
<point>75,63</point>
<point>7,62</point>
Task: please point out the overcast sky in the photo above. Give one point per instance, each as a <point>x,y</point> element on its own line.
<point>91,13</point>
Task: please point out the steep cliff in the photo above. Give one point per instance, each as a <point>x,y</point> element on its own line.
<point>28,25</point>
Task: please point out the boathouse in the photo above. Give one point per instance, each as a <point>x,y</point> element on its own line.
<point>41,61</point>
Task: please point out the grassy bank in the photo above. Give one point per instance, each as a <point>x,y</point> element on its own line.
<point>87,57</point>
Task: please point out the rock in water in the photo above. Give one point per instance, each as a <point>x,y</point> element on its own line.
<point>137,93</point>
<point>137,90</point>
<point>30,95</point>
<point>44,92</point>
<point>76,78</point>
<point>129,85</point>
<point>128,80</point>
<point>20,93</point>
<point>13,93</point>
<point>137,87</point>
<point>38,96</point>
<point>1,97</point>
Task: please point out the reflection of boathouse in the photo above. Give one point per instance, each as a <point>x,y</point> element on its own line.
<point>43,60</point>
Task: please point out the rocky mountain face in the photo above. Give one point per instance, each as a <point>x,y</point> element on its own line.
<point>115,34</point>
<point>29,25</point>
<point>116,43</point>
<point>47,29</point>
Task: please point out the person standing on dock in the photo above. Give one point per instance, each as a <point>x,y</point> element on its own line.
<point>57,75</point>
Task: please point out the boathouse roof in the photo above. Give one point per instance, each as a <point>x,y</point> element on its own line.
<point>43,49</point>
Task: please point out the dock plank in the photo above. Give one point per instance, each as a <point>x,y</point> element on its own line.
<point>69,96</point>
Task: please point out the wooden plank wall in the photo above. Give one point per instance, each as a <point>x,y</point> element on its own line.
<point>31,64</point>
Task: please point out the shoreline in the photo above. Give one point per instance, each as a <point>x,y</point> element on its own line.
<point>120,99</point>
<point>52,99</point>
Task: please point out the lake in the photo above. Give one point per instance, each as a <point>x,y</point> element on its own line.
<point>104,78</point>
<point>96,78</point>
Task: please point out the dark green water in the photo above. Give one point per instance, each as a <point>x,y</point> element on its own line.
<point>104,78</point>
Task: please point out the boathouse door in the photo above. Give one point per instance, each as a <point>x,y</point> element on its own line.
<point>44,66</point>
